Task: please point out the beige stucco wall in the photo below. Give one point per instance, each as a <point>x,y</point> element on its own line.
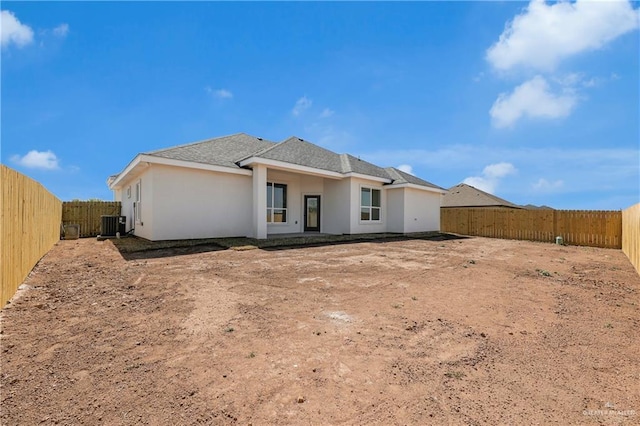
<point>183,203</point>
<point>143,228</point>
<point>190,203</point>
<point>336,212</point>
<point>363,227</point>
<point>421,210</point>
<point>395,210</point>
<point>297,187</point>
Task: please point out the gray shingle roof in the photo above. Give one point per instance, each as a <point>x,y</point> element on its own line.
<point>399,177</point>
<point>463,195</point>
<point>352,164</point>
<point>297,151</point>
<point>222,151</point>
<point>228,151</point>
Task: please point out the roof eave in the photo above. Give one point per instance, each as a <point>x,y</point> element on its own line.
<point>419,187</point>
<point>282,165</point>
<point>368,177</point>
<point>120,177</point>
<point>142,161</point>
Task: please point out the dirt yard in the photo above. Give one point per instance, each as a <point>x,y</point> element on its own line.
<point>462,331</point>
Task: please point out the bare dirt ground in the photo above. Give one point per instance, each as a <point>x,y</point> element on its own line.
<point>466,331</point>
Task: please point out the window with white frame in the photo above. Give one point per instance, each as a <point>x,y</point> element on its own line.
<point>370,204</point>
<point>137,210</point>
<point>276,202</point>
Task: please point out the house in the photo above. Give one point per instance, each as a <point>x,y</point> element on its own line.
<point>463,195</point>
<point>241,185</point>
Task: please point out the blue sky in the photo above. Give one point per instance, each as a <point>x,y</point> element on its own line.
<point>535,102</point>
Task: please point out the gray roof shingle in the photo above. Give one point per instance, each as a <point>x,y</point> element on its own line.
<point>222,151</point>
<point>400,177</point>
<point>228,151</point>
<point>298,151</point>
<point>352,164</point>
<point>463,195</point>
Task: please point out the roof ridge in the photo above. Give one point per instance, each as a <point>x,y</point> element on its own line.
<point>203,141</point>
<point>345,163</point>
<point>404,177</point>
<point>312,144</point>
<point>393,171</point>
<point>267,149</point>
<point>364,161</point>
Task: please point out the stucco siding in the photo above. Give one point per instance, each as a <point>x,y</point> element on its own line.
<point>126,194</point>
<point>190,203</point>
<point>126,199</point>
<point>395,210</point>
<point>336,209</point>
<point>297,187</point>
<point>358,226</point>
<point>293,223</point>
<point>183,203</point>
<point>421,210</point>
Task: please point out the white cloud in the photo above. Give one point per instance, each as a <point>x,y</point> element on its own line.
<point>406,168</point>
<point>326,113</point>
<point>481,183</point>
<point>545,34</point>
<point>13,31</point>
<point>621,163</point>
<point>576,80</point>
<point>61,30</point>
<point>301,105</point>
<point>543,185</point>
<point>219,93</point>
<point>46,160</point>
<point>499,170</point>
<point>532,99</point>
<point>582,170</point>
<point>491,176</point>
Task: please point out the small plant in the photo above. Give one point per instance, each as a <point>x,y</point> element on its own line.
<point>228,330</point>
<point>543,272</point>
<point>414,298</point>
<point>454,374</point>
<point>397,306</point>
<point>608,325</point>
<point>252,355</point>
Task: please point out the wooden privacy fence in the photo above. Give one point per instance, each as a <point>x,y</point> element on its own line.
<point>29,227</point>
<point>88,214</point>
<point>631,234</point>
<point>576,227</point>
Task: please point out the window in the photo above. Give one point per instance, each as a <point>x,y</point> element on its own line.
<point>137,210</point>
<point>276,202</point>
<point>369,204</point>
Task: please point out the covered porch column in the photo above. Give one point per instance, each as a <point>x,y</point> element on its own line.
<point>259,201</point>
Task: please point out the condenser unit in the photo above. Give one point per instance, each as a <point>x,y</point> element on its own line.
<point>111,225</point>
